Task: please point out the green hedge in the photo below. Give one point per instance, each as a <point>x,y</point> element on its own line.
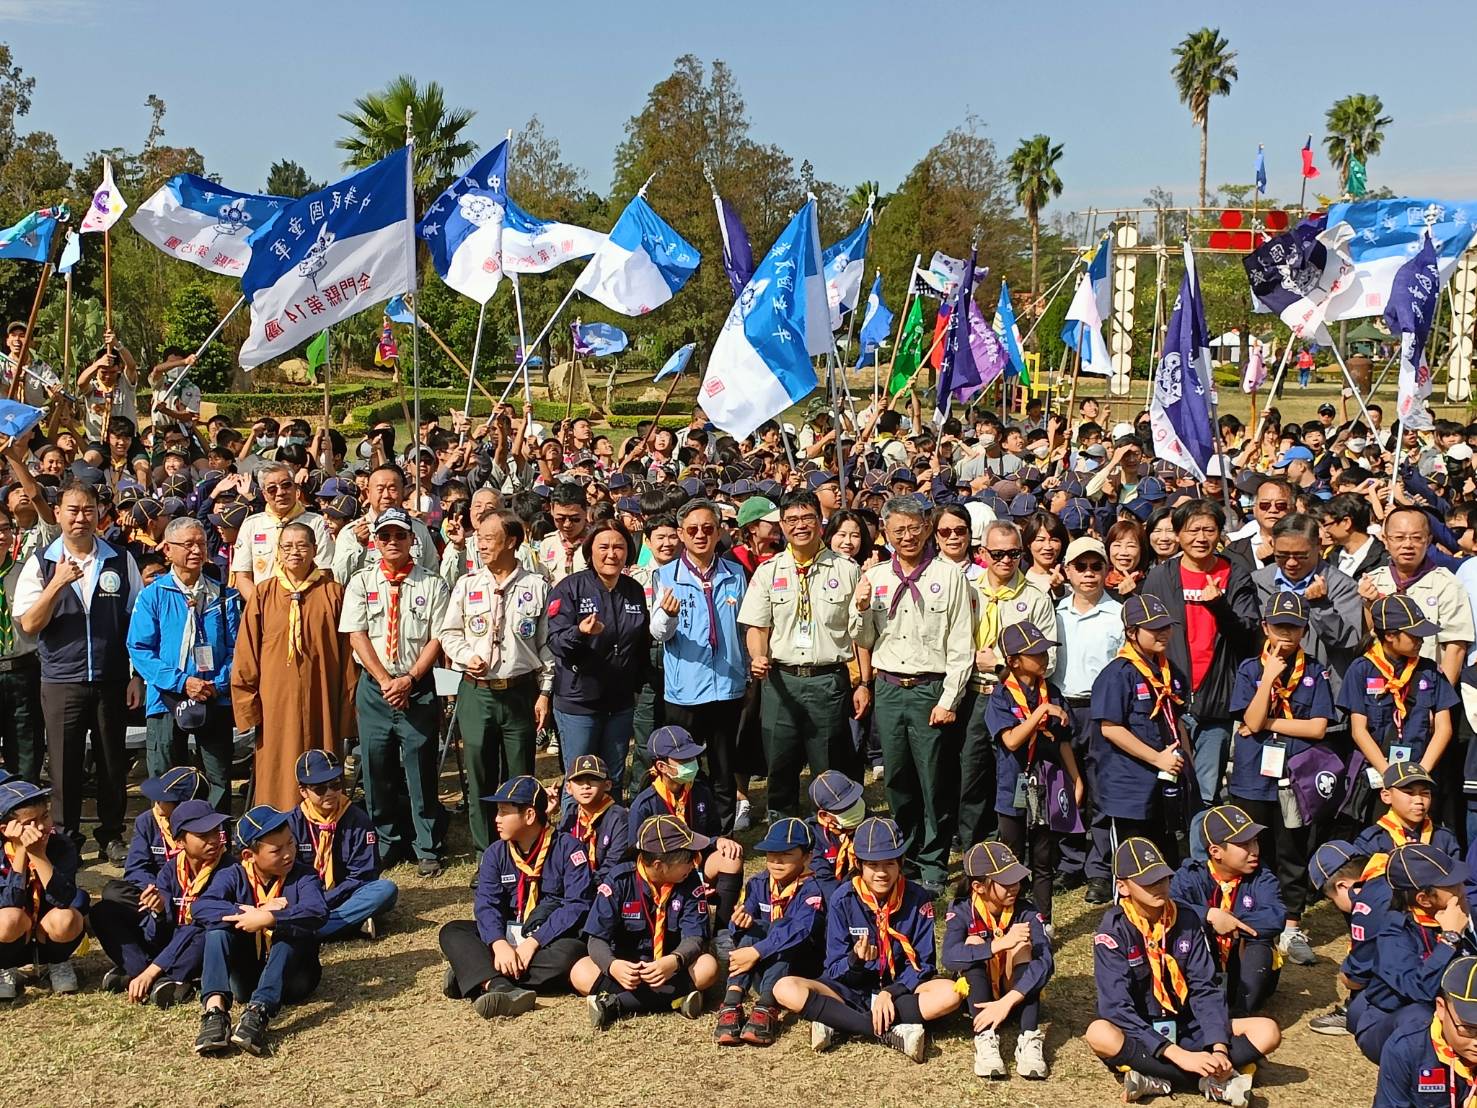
<point>629,421</point>
<point>243,407</point>
<point>365,416</point>
<point>678,403</point>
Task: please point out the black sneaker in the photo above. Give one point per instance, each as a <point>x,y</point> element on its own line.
<point>504,1002</point>
<point>428,867</point>
<point>251,1030</point>
<point>215,1031</point>
<point>603,1010</point>
<point>115,852</point>
<point>449,988</point>
<point>1332,1022</point>
<point>1099,891</point>
<point>166,993</point>
<point>115,980</point>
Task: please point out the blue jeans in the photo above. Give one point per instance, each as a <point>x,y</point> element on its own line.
<point>607,734</point>
<point>1211,740</point>
<point>233,968</point>
<point>369,899</point>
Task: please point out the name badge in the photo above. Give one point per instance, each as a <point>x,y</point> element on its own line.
<point>1274,757</point>
<point>513,932</point>
<point>1168,1028</point>
<point>803,639</point>
<point>204,657</point>
<point>1022,781</point>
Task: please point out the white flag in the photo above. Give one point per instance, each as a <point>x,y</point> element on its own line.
<point>107,203</point>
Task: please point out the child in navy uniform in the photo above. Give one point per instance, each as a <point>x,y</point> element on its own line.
<point>647,929</point>
<point>1241,904</point>
<point>1430,1060</point>
<point>597,821</point>
<point>533,890</point>
<point>878,978</point>
<point>839,811</point>
<point>158,947</point>
<point>1406,795</point>
<point>337,839</point>
<point>263,915</point>
<point>1338,872</point>
<point>153,843</point>
<point>1162,1017</point>
<point>41,908</point>
<point>779,927</point>
<point>996,941</point>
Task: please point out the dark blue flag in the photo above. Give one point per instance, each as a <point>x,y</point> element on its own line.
<point>1180,412</point>
<point>738,256</point>
<point>1414,298</point>
<point>959,377</point>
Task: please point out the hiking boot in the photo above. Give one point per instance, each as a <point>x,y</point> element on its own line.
<point>603,1010</point>
<point>987,1060</point>
<point>504,1002</point>
<point>730,1023</point>
<point>115,980</point>
<point>1333,1022</point>
<point>63,977</point>
<point>822,1037</point>
<point>1030,1055</point>
<point>1098,891</point>
<point>251,1030</point>
<point>449,988</point>
<point>166,993</point>
<point>762,1027</point>
<point>1234,1090</point>
<point>10,985</point>
<point>215,1031</point>
<point>1140,1086</point>
<point>692,1005</point>
<point>1294,944</point>
<point>428,867</point>
<point>908,1039</point>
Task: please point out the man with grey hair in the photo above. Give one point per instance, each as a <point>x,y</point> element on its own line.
<point>254,558</point>
<point>181,640</point>
<point>913,627</point>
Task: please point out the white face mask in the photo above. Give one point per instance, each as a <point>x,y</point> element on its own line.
<point>1357,445</point>
<point>1040,450</point>
<point>987,440</point>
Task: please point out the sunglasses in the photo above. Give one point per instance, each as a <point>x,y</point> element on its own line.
<point>325,788</point>
<point>1274,505</point>
<point>1087,567</point>
<point>1004,555</point>
<point>952,532</point>
<point>700,529</point>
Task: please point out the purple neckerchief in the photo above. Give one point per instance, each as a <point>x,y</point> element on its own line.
<point>909,581</point>
<point>1426,566</point>
<point>707,583</point>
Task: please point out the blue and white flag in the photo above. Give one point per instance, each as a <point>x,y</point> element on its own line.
<point>845,266</point>
<point>202,222</point>
<point>1261,170</point>
<point>327,256</point>
<point>1295,274</point>
<point>1385,234</point>
<point>1010,334</point>
<point>1413,301</point>
<point>760,363</point>
<point>642,265</point>
<point>876,324</point>
<point>941,279</point>
<point>738,255</point>
<point>463,229</point>
<point>599,340</point>
<point>959,376</point>
<point>71,253</point>
<point>676,363</point>
<point>30,239</point>
<point>1092,304</point>
<point>1180,409</point>
<point>17,418</point>
<point>533,245</point>
<point>399,311</point>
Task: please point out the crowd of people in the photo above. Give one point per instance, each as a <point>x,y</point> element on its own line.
<point>1208,702</point>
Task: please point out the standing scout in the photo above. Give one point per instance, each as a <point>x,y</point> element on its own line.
<point>796,610</point>
<point>254,558</point>
<point>391,615</point>
<point>562,553</point>
<point>496,632</point>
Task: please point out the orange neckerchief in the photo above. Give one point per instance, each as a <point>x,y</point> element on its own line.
<point>997,929</point>
<point>191,885</point>
<point>845,845</point>
<point>530,871</point>
<point>33,884</point>
<point>1170,987</point>
<point>1159,683</point>
<point>1450,1059</point>
<point>296,592</point>
<point>262,893</point>
<point>1398,685</point>
<point>394,578</point>
<point>1225,901</point>
<point>779,898</point>
<point>171,846</point>
<point>656,919</point>
<point>1018,694</point>
<point>887,934</point>
<point>324,825</point>
<point>677,802</point>
<point>1400,835</point>
<point>1281,702</point>
<point>584,825</point>
<point>1425,919</point>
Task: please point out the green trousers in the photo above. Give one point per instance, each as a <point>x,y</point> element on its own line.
<point>497,738</point>
<point>912,766</point>
<point>400,751</point>
<point>804,720</point>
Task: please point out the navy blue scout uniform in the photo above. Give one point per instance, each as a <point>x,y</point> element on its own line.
<point>1255,899</point>
<point>788,927</point>
<point>352,855</point>
<point>1369,902</point>
<point>148,849</point>
<point>23,889</point>
<point>1418,1067</point>
<point>833,859</point>
<point>607,835</point>
<point>694,804</point>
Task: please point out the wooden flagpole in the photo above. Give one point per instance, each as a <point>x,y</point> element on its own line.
<point>19,369</point>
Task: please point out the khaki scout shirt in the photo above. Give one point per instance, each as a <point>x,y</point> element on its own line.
<point>1030,605</point>
<point>471,625</point>
<point>936,638</point>
<point>772,600</point>
<point>255,551</point>
<point>350,555</point>
<point>556,563</point>
<point>423,599</point>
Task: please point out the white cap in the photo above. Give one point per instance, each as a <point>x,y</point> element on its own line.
<point>1083,544</point>
<point>1121,429</point>
<point>1459,452</point>
<point>980,518</point>
<point>1216,466</point>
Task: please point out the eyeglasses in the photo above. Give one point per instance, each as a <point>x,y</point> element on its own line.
<point>1291,555</point>
<point>795,521</point>
<point>1004,555</point>
<point>189,544</point>
<point>906,532</point>
<point>273,489</point>
<point>326,788</point>
<point>392,534</point>
<point>952,532</point>
<point>1273,505</point>
<point>701,529</point>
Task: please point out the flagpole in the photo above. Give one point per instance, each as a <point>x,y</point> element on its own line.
<point>901,320</point>
<point>870,219</point>
<point>656,421</point>
<point>108,281</point>
<point>472,372</point>
<point>219,327</point>
<point>1154,339</point>
<point>835,403</point>
<point>326,457</point>
<point>523,350</point>
<point>67,334</point>
<point>20,358</point>
<point>543,334</point>
<point>1256,436</point>
<point>415,341</point>
<point>1349,380</point>
<point>421,324</point>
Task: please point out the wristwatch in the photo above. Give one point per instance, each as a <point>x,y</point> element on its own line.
<point>1450,938</point>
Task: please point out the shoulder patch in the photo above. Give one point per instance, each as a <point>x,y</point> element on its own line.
<point>815,902</point>
<point>1356,932</point>
<point>604,890</point>
<point>577,858</point>
<point>1360,908</point>
<point>926,910</point>
<point>1102,939</point>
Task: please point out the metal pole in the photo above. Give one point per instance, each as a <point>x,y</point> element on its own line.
<point>523,350</point>
<point>543,334</point>
<point>1256,435</point>
<point>1349,380</point>
<point>415,332</point>
<point>219,327</point>
<point>67,335</point>
<point>472,372</point>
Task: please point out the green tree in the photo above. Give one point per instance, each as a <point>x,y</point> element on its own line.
<point>15,98</point>
<point>378,129</point>
<point>1033,172</point>
<point>1206,68</point>
<point>287,178</point>
<point>1356,129</point>
<point>190,317</point>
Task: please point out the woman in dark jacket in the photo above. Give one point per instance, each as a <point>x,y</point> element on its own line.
<point>600,642</point>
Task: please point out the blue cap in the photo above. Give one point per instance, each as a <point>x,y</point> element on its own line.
<point>18,793</point>
<point>1022,505</point>
<point>772,489</point>
<point>1399,612</point>
<point>1073,485</point>
<point>145,510</point>
<point>336,486</point>
<point>878,839</point>
<point>175,786</point>
<point>1142,509</point>
<point>393,517</point>
<point>1024,638</point>
<point>1402,775</point>
<point>589,765</point>
<point>785,834</point>
<point>543,490</point>
<point>691,486</point>
<point>1146,610</point>
<point>1293,454</point>
<point>902,475</point>
<point>618,481</point>
<point>523,791</point>
<point>1229,823</point>
<point>994,861</point>
<point>1074,518</point>
<point>631,504</point>
<point>197,816</point>
<point>258,823</point>
<point>173,506</point>
<point>344,507</point>
<point>317,767</point>
<point>1029,476</point>
<point>1140,861</point>
<point>1459,987</point>
<point>1285,609</point>
<point>817,480</point>
<point>6,776</point>
<point>1421,866</point>
<point>88,475</point>
<point>674,744</point>
<point>231,515</point>
<point>742,487</point>
<point>663,834</point>
<point>1328,859</point>
<point>1151,488</point>
<point>833,791</point>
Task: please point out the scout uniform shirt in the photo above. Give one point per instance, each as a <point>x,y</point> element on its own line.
<point>624,916</point>
<point>797,935</point>
<point>1441,599</point>
<point>557,561</point>
<point>352,858</point>
<point>807,613</point>
<point>1125,786</point>
<point>1019,601</point>
<point>305,913</point>
<point>959,955</point>
<point>350,555</point>
<point>506,625</point>
<point>1366,691</point>
<point>927,629</point>
<point>1255,899</point>
<point>512,905</point>
<point>256,544</point>
<point>1260,758</point>
<point>423,601</point>
<point>848,919</point>
<point>1413,1074</point>
<point>607,842</point>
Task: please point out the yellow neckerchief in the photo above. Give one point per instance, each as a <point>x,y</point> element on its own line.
<point>656,919</point>
<point>802,586</point>
<point>191,885</point>
<point>1425,919</point>
<point>1281,702</point>
<point>584,825</point>
<point>1398,686</point>
<point>295,613</point>
<point>262,893</point>
<point>995,596</point>
<point>882,921</point>
<point>1159,683</point>
<point>33,884</point>
<point>324,826</point>
<point>1449,1058</point>
<point>1018,694</point>
<point>530,873</point>
<point>171,846</point>
<point>997,929</point>
<point>677,802</point>
<point>779,898</point>
<point>296,510</point>
<point>1162,965</point>
<point>1399,836</point>
<point>845,844</point>
<point>1225,901</point>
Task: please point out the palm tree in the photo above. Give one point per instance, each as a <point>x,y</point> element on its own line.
<point>1356,130</point>
<point>378,122</point>
<point>1033,172</point>
<point>1206,68</point>
<point>867,192</point>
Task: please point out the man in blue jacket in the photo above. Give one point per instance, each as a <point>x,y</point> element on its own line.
<point>182,638</point>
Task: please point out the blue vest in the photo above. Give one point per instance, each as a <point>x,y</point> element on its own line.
<point>78,644</point>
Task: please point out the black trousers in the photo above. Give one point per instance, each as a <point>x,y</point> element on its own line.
<point>1285,852</point>
<point>1043,849</point>
<point>72,710</point>
<point>716,724</point>
<point>471,961</point>
<point>21,733</point>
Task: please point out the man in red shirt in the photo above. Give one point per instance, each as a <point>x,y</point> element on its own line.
<point>1305,368</point>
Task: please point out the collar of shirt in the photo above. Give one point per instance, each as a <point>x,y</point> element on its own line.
<point>1352,560</point>
<point>1067,606</point>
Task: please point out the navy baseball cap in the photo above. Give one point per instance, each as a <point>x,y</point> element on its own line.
<point>631,504</point>
<point>524,791</point>
<point>662,834</point>
<point>258,823</point>
<point>994,861</point>
<point>618,481</point>
<point>1328,859</point>
<point>833,791</point>
<point>673,744</point>
<point>1147,611</point>
<point>177,485</point>
<point>341,507</point>
<point>1024,638</point>
<point>146,510</point>
<point>1459,987</point>
<point>393,517</point>
<point>1151,488</point>
<point>1022,505</point>
<point>336,486</point>
<point>173,506</point>
<point>18,793</point>
<point>818,480</point>
<point>175,786</point>
<point>878,839</point>
<point>1421,866</point>
<point>196,816</point>
<point>1399,612</point>
<point>1402,775</point>
<point>691,486</point>
<point>317,767</point>
<point>589,765</point>
<point>231,515</point>
<point>902,476</point>
<point>785,834</point>
<point>1285,609</point>
<point>1228,823</point>
<point>1139,860</point>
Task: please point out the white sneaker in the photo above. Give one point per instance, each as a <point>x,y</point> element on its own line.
<point>1293,942</point>
<point>553,744</point>
<point>1030,1056</point>
<point>1050,929</point>
<point>822,1037</point>
<point>1234,1090</point>
<point>742,819</point>
<point>987,1060</point>
<point>908,1039</point>
<point>63,977</point>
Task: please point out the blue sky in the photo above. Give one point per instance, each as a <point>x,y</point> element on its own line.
<point>862,89</point>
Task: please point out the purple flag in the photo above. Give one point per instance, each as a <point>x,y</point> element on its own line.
<point>990,355</point>
<point>1410,312</point>
<point>959,375</point>
<point>738,257</point>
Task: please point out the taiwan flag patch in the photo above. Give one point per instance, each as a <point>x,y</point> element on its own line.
<point>475,596</point>
<point>1375,685</point>
<point>372,597</point>
<point>1432,1080</point>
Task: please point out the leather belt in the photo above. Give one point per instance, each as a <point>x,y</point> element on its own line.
<point>18,662</point>
<point>1077,701</point>
<point>499,684</point>
<point>809,671</point>
<point>909,680</point>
